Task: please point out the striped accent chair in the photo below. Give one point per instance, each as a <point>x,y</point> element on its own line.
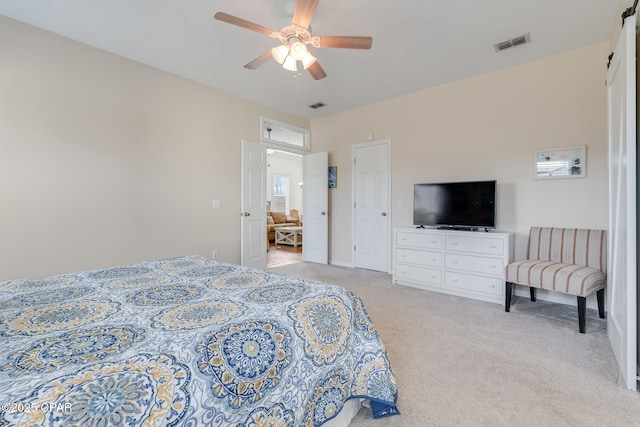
<point>568,260</point>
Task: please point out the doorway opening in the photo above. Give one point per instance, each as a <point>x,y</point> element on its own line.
<point>286,147</point>
<point>284,207</point>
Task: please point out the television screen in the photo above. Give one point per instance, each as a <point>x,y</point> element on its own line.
<point>468,204</point>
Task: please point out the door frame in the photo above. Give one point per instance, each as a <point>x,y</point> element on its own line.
<point>304,197</point>
<point>354,147</point>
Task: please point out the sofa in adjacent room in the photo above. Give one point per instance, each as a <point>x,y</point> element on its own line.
<point>276,220</point>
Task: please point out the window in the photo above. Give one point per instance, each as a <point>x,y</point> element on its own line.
<point>286,137</point>
<point>280,193</point>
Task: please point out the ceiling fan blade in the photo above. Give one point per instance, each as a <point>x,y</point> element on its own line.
<point>304,12</point>
<point>316,71</point>
<point>344,42</point>
<point>262,59</point>
<point>234,20</point>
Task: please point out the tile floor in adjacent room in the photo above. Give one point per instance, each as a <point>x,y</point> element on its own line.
<point>279,255</point>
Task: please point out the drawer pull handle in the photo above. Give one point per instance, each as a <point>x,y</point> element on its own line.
<point>492,286</point>
<point>492,266</point>
<point>454,280</point>
<point>403,256</point>
<point>454,243</point>
<point>492,246</point>
<point>454,262</point>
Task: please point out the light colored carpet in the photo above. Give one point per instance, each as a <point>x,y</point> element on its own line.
<point>461,362</point>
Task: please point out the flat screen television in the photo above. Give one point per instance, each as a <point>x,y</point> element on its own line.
<point>459,205</point>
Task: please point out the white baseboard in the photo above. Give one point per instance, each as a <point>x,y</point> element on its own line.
<point>341,264</point>
<point>350,265</point>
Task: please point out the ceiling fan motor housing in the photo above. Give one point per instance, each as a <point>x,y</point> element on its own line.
<point>294,32</point>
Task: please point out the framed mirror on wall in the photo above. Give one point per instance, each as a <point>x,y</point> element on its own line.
<point>567,162</point>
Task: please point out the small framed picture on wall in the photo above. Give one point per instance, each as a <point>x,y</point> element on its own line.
<point>333,176</point>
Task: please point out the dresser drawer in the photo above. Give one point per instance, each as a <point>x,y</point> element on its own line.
<point>413,256</point>
<point>418,274</point>
<point>484,245</point>
<point>476,284</point>
<point>420,240</point>
<point>476,264</point>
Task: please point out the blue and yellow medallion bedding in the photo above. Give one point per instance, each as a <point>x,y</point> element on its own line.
<point>186,341</point>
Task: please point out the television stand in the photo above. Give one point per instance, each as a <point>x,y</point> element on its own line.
<point>454,262</point>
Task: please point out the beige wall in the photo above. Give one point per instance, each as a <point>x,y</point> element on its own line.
<point>486,127</point>
<point>106,161</point>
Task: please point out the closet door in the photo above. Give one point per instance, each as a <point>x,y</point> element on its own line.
<point>622,254</point>
<point>371,205</point>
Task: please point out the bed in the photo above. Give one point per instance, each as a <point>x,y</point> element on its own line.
<point>186,341</point>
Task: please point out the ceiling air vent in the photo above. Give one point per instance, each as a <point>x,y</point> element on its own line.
<point>317,105</point>
<point>512,43</point>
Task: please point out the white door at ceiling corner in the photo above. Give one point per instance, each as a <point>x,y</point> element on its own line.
<point>254,210</point>
<point>315,224</point>
<point>372,213</point>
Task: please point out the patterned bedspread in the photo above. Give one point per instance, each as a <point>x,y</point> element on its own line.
<point>186,341</point>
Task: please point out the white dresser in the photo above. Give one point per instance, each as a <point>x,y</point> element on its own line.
<point>464,263</point>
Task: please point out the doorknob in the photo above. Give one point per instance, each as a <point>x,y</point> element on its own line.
<point>246,214</point>
<point>323,213</point>
<point>383,214</point>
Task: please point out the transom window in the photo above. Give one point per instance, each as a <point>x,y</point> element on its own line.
<point>284,136</point>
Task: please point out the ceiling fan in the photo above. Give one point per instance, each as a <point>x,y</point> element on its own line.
<point>293,50</point>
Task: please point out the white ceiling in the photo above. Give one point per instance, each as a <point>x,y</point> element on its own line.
<point>416,43</point>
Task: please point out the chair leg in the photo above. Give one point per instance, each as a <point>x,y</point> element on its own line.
<point>582,308</point>
<point>532,291</point>
<point>600,297</point>
<point>507,296</point>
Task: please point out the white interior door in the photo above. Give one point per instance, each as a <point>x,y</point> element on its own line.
<point>372,213</point>
<point>315,224</point>
<point>622,256</point>
<point>254,210</point>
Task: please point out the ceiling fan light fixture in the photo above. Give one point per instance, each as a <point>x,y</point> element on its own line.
<point>290,64</point>
<point>293,54</point>
<point>308,60</point>
<point>280,53</point>
<point>298,50</point>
